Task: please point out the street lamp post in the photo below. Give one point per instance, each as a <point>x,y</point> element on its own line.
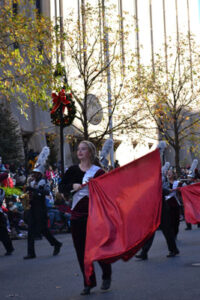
<point>63,110</point>
<point>60,75</point>
<point>107,58</point>
<point>63,76</point>
<point>61,140</point>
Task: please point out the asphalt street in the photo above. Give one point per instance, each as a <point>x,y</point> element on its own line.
<point>59,278</point>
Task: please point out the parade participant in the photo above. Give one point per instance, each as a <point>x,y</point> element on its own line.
<point>192,178</point>
<point>167,230</point>
<point>4,236</point>
<point>166,224</point>
<point>37,217</point>
<point>173,201</point>
<point>74,179</point>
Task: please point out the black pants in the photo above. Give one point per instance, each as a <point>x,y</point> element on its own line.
<point>175,218</point>
<point>189,225</point>
<point>78,230</point>
<point>167,227</point>
<point>169,237</point>
<point>32,234</point>
<point>167,230</point>
<point>4,237</point>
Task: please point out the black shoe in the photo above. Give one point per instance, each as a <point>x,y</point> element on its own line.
<point>86,291</point>
<point>57,249</point>
<point>106,284</point>
<point>188,228</point>
<point>9,252</point>
<point>173,253</point>
<point>29,256</point>
<point>142,256</point>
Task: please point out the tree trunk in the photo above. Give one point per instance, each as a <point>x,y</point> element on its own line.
<point>177,160</point>
<point>177,147</point>
<point>85,121</point>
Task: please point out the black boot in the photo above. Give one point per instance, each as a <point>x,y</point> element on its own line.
<point>9,252</point>
<point>30,256</point>
<point>106,284</point>
<point>86,291</point>
<point>189,226</point>
<point>142,256</point>
<point>57,249</point>
<point>173,253</point>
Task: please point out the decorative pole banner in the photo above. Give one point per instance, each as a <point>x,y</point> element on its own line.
<point>66,102</point>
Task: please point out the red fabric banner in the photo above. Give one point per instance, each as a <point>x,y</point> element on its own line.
<point>124,210</point>
<point>191,202</point>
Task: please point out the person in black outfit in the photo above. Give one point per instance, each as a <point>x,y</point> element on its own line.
<point>173,202</point>
<point>73,181</point>
<point>37,215</point>
<point>167,230</point>
<point>4,236</point>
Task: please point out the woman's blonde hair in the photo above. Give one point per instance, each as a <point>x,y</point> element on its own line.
<point>92,150</point>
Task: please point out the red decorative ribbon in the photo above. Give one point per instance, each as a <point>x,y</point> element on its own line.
<point>58,99</point>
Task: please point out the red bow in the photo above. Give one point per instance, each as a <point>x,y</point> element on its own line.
<point>58,99</point>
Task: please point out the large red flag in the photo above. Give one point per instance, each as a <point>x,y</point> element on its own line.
<point>191,202</point>
<point>124,210</point>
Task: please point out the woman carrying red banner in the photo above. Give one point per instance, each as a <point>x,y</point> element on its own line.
<point>74,181</point>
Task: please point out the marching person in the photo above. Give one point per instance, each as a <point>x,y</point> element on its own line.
<point>73,181</point>
<point>166,223</point>
<point>4,236</point>
<point>167,229</point>
<point>173,201</point>
<point>37,216</point>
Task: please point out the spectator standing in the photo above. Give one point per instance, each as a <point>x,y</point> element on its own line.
<point>4,236</point>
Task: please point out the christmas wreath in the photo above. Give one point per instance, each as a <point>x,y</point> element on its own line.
<point>65,102</point>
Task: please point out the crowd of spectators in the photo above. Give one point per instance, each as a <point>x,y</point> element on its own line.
<point>16,205</point>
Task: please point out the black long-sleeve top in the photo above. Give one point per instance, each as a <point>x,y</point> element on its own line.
<point>75,175</point>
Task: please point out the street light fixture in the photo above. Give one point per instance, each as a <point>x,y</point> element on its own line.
<point>63,110</point>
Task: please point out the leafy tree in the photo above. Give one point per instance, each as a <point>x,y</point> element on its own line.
<point>172,94</point>
<point>26,40</point>
<point>11,144</point>
<point>89,64</point>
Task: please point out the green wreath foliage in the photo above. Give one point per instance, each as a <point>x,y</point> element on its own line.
<point>67,118</point>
